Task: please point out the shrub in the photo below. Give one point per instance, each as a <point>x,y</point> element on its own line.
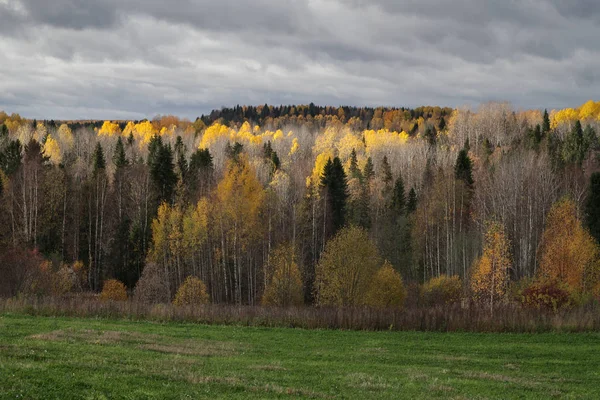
<point>386,289</point>
<point>63,280</point>
<point>546,295</point>
<point>441,290</point>
<point>113,290</point>
<point>152,287</point>
<point>191,292</point>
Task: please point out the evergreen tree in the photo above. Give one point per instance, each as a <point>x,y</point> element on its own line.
<point>119,158</point>
<point>574,148</point>
<point>442,124</point>
<point>271,156</point>
<point>234,151</point>
<point>411,205</point>
<point>592,206</point>
<point>463,167</point>
<point>10,157</point>
<point>399,198</point>
<point>354,170</point>
<point>162,170</point>
<point>430,135</point>
<point>369,171</point>
<point>386,170</point>
<point>546,123</point>
<point>336,188</point>
<point>99,162</point>
<point>182,165</point>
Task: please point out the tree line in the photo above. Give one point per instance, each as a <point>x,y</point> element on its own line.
<point>313,205</point>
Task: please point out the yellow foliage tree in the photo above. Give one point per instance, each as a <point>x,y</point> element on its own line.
<point>109,129</point>
<point>568,253</point>
<point>65,135</point>
<point>490,275</point>
<point>282,276</point>
<point>345,271</point>
<point>386,289</point>
<point>113,290</point>
<point>52,150</point>
<point>192,292</point>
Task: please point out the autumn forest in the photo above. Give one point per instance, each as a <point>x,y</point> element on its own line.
<point>306,206</point>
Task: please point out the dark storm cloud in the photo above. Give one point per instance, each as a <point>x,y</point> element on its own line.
<point>137,58</point>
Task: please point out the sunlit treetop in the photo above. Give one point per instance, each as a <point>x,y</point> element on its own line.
<point>109,129</point>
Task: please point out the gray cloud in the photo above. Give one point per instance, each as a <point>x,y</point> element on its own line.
<point>134,58</point>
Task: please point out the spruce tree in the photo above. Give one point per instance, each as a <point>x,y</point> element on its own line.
<point>369,171</point>
<point>386,170</point>
<point>119,158</point>
<point>335,184</point>
<point>463,167</point>
<point>546,123</point>
<point>399,198</point>
<point>10,157</point>
<point>99,162</point>
<point>162,169</point>
<point>354,170</point>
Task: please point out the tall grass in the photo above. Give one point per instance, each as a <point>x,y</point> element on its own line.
<point>467,318</point>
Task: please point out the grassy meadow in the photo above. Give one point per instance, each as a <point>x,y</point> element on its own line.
<point>85,358</point>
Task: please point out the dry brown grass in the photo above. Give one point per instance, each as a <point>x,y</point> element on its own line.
<point>467,318</point>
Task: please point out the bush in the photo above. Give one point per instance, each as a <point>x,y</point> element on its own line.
<point>386,289</point>
<point>191,292</point>
<point>152,287</point>
<point>441,290</point>
<point>547,295</point>
<point>113,290</point>
<point>64,280</point>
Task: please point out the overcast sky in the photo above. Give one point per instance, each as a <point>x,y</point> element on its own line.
<point>132,59</point>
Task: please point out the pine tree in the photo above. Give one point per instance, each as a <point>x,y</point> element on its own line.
<point>463,167</point>
<point>119,158</point>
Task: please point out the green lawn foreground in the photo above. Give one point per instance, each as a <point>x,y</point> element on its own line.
<point>64,358</point>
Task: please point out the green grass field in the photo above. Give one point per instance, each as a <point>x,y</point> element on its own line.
<point>63,358</point>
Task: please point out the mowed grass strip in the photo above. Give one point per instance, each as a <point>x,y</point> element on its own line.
<point>68,358</point>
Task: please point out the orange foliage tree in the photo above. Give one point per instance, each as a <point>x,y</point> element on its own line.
<point>569,255</point>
